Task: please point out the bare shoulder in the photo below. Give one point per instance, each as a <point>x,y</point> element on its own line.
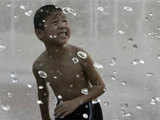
<point>79,50</point>
<point>39,60</point>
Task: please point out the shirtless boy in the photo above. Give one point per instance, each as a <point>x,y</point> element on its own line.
<point>68,69</point>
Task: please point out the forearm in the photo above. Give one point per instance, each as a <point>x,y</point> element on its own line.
<point>93,93</point>
<point>44,109</point>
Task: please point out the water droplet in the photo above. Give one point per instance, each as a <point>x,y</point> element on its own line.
<point>29,85</point>
<point>137,61</point>
<point>43,21</point>
<point>22,7</point>
<point>113,61</point>
<point>40,87</point>
<point>86,106</point>
<point>71,85</point>
<point>85,115</point>
<point>153,101</point>
<point>124,105</point>
<point>114,72</point>
<point>127,114</point>
<point>55,77</point>
<point>67,10</point>
<point>106,103</point>
<point>54,36</point>
<point>97,65</point>
<point>82,54</point>
<point>139,107</point>
<point>39,102</point>
<point>5,107</point>
<point>50,36</point>
<point>8,5</point>
<point>130,40</point>
<point>75,60</point>
<point>96,101</point>
<point>124,83</point>
<point>105,89</point>
<point>84,91</point>
<point>149,74</point>
<point>100,9</point>
<point>15,16</point>
<point>42,74</point>
<point>9,94</point>
<point>77,75</point>
<point>2,47</point>
<point>121,32</point>
<point>113,77</point>
<point>158,57</point>
<point>135,46</point>
<point>13,75</point>
<point>29,13</point>
<point>127,8</point>
<point>59,96</point>
<point>158,28</point>
<point>141,61</point>
<point>150,14</point>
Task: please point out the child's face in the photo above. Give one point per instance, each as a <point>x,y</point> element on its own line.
<point>56,28</point>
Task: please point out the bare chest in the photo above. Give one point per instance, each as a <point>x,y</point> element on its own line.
<point>64,73</point>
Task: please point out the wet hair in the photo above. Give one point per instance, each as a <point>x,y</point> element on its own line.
<point>42,13</point>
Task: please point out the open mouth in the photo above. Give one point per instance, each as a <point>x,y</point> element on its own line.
<point>63,34</point>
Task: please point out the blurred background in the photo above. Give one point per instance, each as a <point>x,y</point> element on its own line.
<point>122,37</point>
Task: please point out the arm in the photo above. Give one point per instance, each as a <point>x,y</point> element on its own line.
<point>94,78</point>
<point>42,94</point>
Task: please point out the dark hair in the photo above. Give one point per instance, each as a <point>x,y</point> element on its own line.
<point>43,13</point>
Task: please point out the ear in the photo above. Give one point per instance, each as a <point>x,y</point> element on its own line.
<point>39,33</point>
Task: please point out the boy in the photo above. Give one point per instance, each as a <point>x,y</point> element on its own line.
<point>68,69</point>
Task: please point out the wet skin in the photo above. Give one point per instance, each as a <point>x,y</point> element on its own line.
<point>65,77</point>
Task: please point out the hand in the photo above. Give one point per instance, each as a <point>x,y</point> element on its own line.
<point>65,108</point>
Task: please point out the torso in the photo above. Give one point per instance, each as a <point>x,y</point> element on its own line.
<point>65,78</point>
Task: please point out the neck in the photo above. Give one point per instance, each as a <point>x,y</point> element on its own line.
<point>55,50</point>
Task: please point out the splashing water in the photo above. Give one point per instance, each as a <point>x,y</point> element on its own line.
<point>13,77</point>
<point>123,83</point>
<point>42,74</point>
<point>96,101</point>
<point>137,61</point>
<point>67,10</point>
<point>5,107</point>
<point>40,87</point>
<point>139,107</point>
<point>39,102</point>
<point>113,61</point>
<point>85,115</point>
<point>2,47</point>
<point>22,7</point>
<point>121,32</point>
<point>129,9</point>
<point>59,96</point>
<point>149,74</point>
<point>100,9</point>
<point>29,13</point>
<point>113,77</point>
<point>82,54</point>
<point>158,57</point>
<point>10,94</point>
<point>124,105</point>
<point>97,65</point>
<point>75,60</point>
<point>84,91</point>
<point>29,85</point>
